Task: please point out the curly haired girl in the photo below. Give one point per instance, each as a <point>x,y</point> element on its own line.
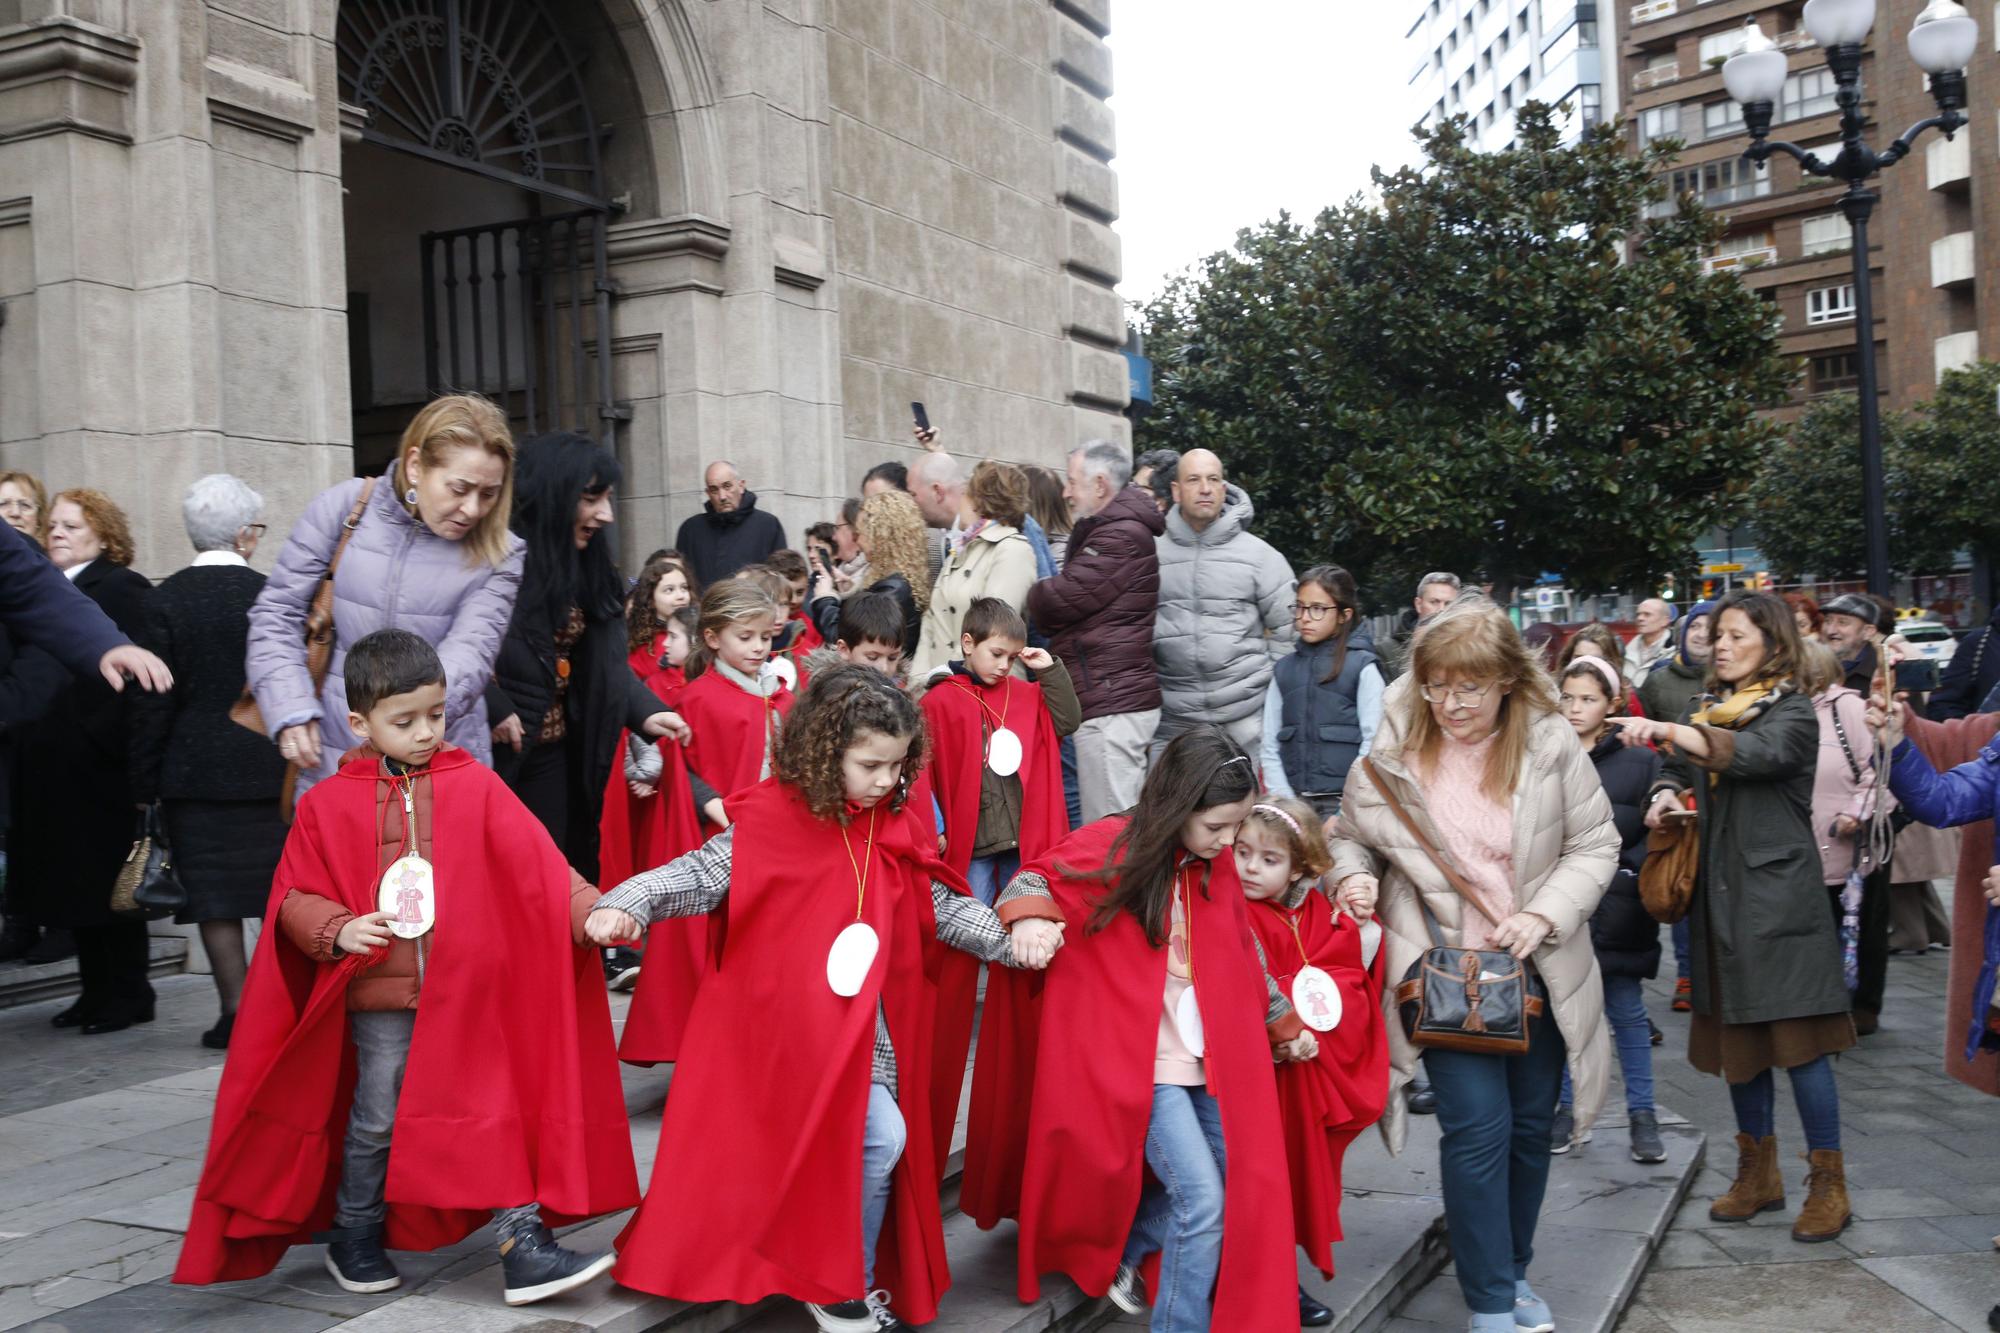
<point>833,947</point>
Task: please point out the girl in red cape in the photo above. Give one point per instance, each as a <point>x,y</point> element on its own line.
<point>734,725</point>
<point>780,1170</point>
<point>409,1090</point>
<point>1148,1066</point>
<point>664,588</point>
<point>991,820</point>
<point>1328,1101</point>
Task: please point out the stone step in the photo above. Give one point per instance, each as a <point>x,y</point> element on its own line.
<point>26,983</point>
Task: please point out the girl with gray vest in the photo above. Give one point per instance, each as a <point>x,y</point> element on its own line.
<point>1324,700</point>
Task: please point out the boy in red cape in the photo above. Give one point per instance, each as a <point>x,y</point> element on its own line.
<point>734,725</point>
<point>782,1174</point>
<point>997,776</point>
<point>1327,1101</point>
<point>1144,1110</point>
<point>366,1084</point>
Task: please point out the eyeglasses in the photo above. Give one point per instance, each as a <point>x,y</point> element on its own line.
<point>18,506</point>
<point>1437,694</point>
<point>255,529</point>
<point>1312,610</point>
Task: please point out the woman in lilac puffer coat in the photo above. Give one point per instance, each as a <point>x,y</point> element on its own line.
<point>431,553</point>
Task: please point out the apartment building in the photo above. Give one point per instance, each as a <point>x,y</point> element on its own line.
<point>1485,58</point>
<point>1785,233</point>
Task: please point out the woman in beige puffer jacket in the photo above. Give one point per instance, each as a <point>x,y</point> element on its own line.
<point>1541,860</point>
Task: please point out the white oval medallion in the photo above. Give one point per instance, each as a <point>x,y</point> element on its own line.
<point>779,671</point>
<point>1187,1017</point>
<point>1316,998</point>
<point>853,953</point>
<point>409,895</point>
<point>1003,752</point>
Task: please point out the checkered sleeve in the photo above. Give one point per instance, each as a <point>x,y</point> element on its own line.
<point>970,926</point>
<point>691,885</point>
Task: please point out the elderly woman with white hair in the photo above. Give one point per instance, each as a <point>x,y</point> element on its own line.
<point>217,783</point>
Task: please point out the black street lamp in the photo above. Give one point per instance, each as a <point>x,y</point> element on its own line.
<point>1942,41</point>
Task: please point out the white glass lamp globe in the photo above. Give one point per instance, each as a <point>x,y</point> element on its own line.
<point>1943,38</point>
<point>1839,22</point>
<point>1757,72</point>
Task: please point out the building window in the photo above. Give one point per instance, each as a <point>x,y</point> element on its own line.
<point>1590,106</point>
<point>1728,181</point>
<point>1660,122</point>
<point>1720,119</point>
<point>1834,371</point>
<point>1825,234</point>
<point>1742,243</point>
<point>1830,305</point>
<point>1719,46</point>
<point>1586,35</point>
<point>1808,94</point>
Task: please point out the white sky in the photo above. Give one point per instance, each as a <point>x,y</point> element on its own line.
<point>1228,113</point>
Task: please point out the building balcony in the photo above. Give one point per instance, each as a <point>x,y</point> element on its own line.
<point>1654,9</point>
<point>1955,350</point>
<point>1798,39</point>
<point>1948,163</point>
<point>1953,260</point>
<point>1655,78</point>
<point>1746,259</point>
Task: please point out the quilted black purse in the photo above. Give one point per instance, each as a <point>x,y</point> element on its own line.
<point>1451,999</point>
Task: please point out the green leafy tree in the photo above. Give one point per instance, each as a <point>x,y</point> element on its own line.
<point>1499,368</point>
<point>1946,482</point>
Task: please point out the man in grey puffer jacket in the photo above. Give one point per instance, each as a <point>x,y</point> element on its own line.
<point>1225,612</point>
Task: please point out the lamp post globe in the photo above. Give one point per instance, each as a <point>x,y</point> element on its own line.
<point>1834,23</point>
<point>1943,38</point>
<point>1757,72</point>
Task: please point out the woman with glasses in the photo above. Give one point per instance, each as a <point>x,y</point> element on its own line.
<point>1473,749</point>
<point>1325,700</point>
<point>217,782</point>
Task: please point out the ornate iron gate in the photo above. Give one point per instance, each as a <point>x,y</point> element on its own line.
<point>521,312</point>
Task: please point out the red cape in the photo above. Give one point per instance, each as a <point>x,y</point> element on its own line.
<point>1326,1102</point>
<point>757,1185</point>
<point>958,727</point>
<point>638,834</point>
<point>1076,1140</point>
<point>731,729</point>
<point>481,1123</point>
<point>805,642</point>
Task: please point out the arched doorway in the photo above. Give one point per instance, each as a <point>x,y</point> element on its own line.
<point>476,209</point>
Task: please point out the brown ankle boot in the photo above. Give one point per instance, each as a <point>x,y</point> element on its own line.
<point>1758,1187</point>
<point>1825,1213</point>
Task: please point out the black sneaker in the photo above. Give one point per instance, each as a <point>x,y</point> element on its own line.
<point>1562,1135</point>
<point>1423,1101</point>
<point>1647,1146</point>
<point>1127,1291</point>
<point>621,968</point>
<point>1311,1313</point>
<point>355,1258</point>
<point>536,1268</point>
<point>847,1317</point>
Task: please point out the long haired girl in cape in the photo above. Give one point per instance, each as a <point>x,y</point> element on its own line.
<point>1328,1101</point>
<point>788,1165</point>
<point>1104,1109</point>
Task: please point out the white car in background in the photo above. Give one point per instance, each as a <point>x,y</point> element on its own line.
<point>1931,640</point>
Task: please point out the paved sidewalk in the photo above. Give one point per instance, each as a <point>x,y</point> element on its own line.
<point>1922,1168</point>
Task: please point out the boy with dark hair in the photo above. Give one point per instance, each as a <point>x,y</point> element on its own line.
<point>424,1044</point>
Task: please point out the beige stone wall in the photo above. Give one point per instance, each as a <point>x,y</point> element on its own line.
<point>972,204</point>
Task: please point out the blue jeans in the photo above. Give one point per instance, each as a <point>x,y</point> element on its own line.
<point>1683,941</point>
<point>1495,1112</point>
<point>1818,1100</point>
<point>1180,1213</point>
<point>989,874</point>
<point>1625,1010</point>
<point>1072,799</point>
<point>882,1140</point>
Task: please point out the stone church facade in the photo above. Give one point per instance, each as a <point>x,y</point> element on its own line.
<point>253,235</point>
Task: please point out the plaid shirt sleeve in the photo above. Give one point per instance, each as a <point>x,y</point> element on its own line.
<point>691,885</point>
<point>970,926</point>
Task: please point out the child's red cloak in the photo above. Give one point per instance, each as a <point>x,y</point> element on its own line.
<point>511,1093</point>
<point>1326,1102</point>
<point>638,834</point>
<point>958,727</point>
<point>727,749</point>
<point>757,1186</point>
<point>1076,1109</point>
<point>805,642</point>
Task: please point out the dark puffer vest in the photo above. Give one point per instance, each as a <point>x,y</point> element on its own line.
<point>1321,734</point>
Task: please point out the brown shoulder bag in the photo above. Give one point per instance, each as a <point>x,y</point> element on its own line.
<point>1478,1000</point>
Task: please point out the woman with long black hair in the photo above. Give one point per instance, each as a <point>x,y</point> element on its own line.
<point>561,690</point>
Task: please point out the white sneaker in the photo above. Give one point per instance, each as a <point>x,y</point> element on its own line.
<point>1127,1292</point>
<point>844,1317</point>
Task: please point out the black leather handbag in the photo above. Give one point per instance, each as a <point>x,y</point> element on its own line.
<point>147,888</point>
<point>1478,1000</point>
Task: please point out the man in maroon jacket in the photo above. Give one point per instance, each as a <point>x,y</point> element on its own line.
<point>1098,613</point>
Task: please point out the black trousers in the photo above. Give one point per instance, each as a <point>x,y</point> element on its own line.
<point>111,964</point>
<point>1871,948</point>
<point>549,781</point>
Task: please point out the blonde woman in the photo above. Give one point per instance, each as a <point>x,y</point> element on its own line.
<point>1474,749</point>
<point>993,559</point>
<point>431,553</point>
<point>890,535</point>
